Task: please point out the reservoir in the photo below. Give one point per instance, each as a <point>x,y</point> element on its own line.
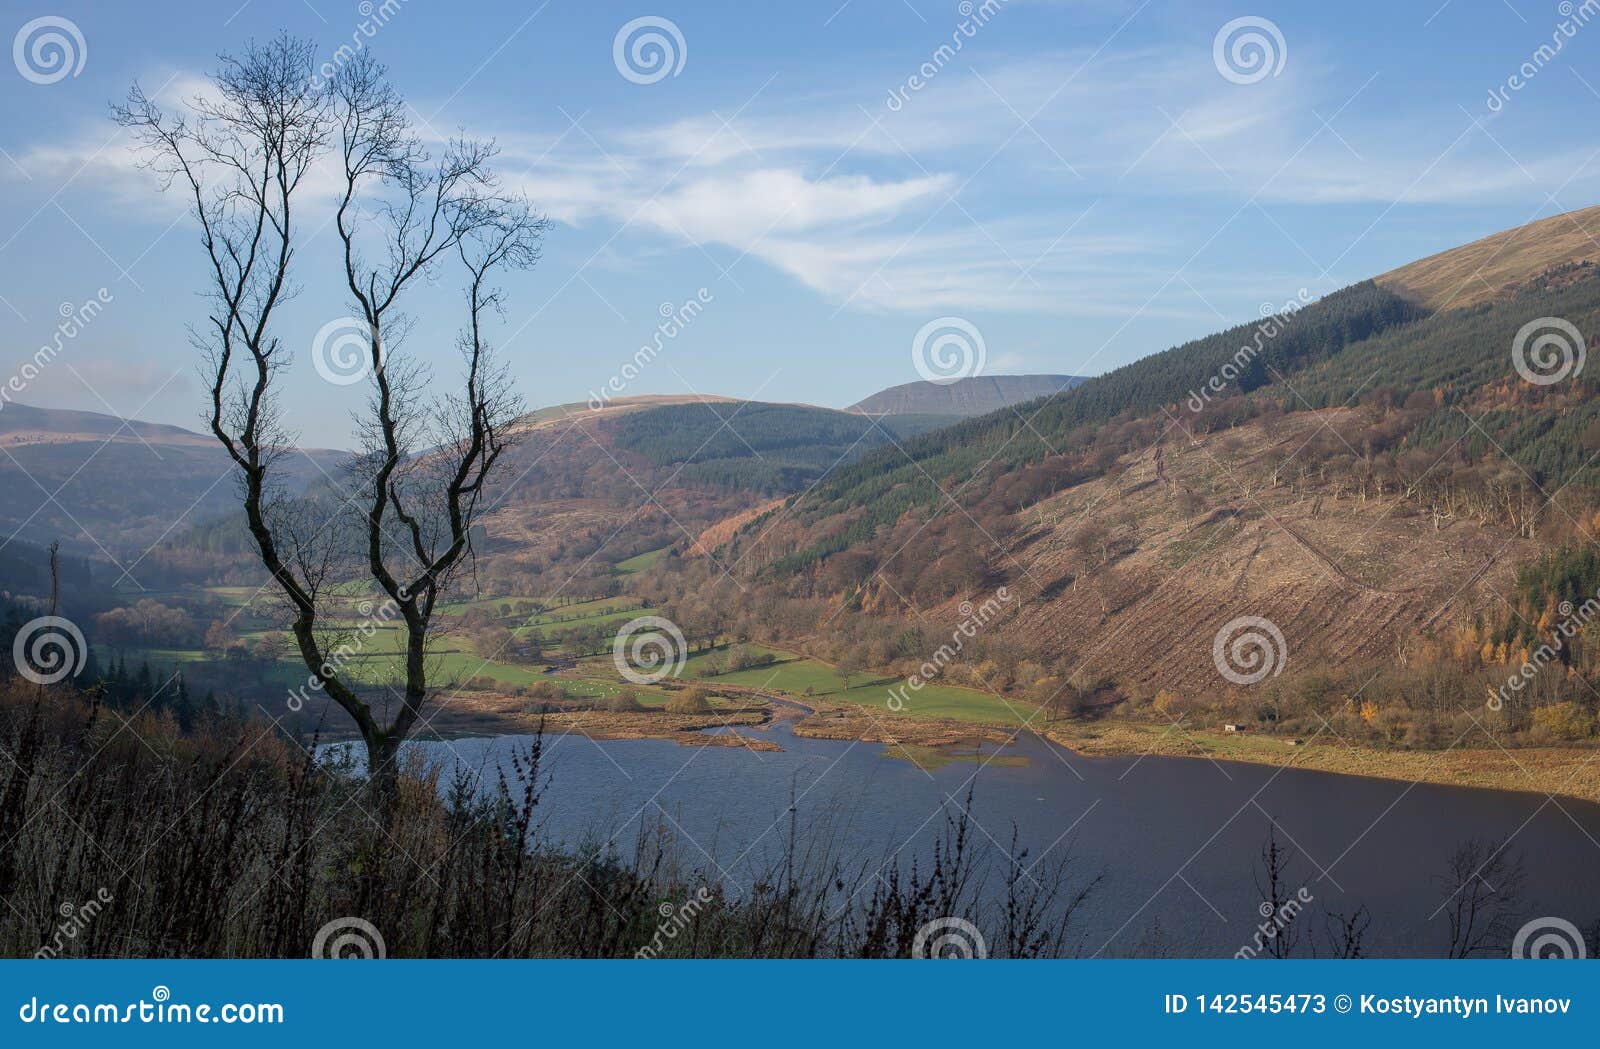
<point>1176,842</point>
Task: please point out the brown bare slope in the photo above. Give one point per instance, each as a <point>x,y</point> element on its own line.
<point>1499,264</point>
<point>567,478</point>
<point>724,531</point>
<point>1347,579</point>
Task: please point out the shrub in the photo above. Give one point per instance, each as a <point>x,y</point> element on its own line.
<point>623,703</point>
<point>743,657</point>
<point>547,690</point>
<point>1564,721</point>
<point>693,700</point>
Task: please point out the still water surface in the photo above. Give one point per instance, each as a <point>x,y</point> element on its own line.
<point>1176,840</point>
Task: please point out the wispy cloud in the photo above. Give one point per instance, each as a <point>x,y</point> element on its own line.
<point>971,193</point>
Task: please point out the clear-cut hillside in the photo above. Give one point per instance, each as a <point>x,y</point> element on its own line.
<point>1371,476</point>
<point>1132,575</point>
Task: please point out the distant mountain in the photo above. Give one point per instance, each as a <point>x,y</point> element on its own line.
<point>22,424</point>
<point>978,395</point>
<point>104,485</point>
<point>701,441</point>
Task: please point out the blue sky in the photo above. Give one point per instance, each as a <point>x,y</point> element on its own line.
<point>1081,183</point>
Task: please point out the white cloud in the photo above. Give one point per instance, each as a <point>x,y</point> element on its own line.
<point>740,210</point>
<point>951,200</point>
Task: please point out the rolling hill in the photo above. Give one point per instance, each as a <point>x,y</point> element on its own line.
<point>640,474</point>
<point>976,395</point>
<point>110,487</point>
<point>1372,475</point>
<point>584,488</point>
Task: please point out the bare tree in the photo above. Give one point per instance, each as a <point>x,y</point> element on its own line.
<point>1280,906</point>
<point>1347,932</point>
<point>248,154</point>
<point>1483,887</point>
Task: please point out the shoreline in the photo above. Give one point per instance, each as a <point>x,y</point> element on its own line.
<point>1570,772</point>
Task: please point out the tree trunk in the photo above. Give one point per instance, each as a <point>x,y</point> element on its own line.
<point>383,777</point>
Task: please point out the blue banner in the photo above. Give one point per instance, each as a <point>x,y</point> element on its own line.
<point>794,1003</point>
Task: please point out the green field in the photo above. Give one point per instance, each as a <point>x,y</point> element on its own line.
<point>155,656</point>
<point>639,562</point>
<point>284,673</point>
<point>377,660</point>
<point>565,615</point>
<point>543,625</point>
<point>234,595</point>
<point>489,604</point>
<point>794,674</point>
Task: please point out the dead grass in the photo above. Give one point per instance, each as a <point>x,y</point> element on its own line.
<point>1498,264</point>
<point>1567,772</point>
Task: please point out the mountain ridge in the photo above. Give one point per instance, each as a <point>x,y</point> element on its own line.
<point>1499,264</point>
<point>108,486</point>
<point>970,396</point>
